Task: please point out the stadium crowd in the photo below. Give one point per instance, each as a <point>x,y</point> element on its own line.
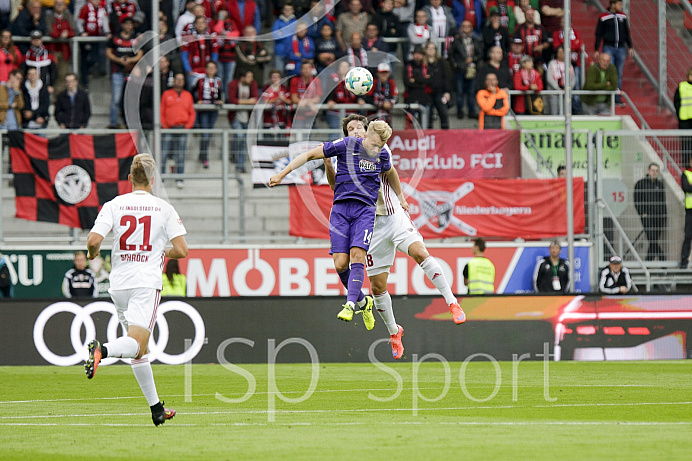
<point>518,41</point>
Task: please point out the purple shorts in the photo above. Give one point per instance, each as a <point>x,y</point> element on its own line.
<point>350,225</point>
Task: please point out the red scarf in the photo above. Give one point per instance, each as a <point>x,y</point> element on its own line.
<point>362,55</point>
<point>93,19</point>
<point>306,44</point>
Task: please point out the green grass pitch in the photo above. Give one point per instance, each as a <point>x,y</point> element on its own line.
<point>605,410</point>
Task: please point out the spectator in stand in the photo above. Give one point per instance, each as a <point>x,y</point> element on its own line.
<point>520,11</point>
<point>252,55</point>
<point>469,10</point>
<point>356,54</point>
<point>208,93</point>
<point>72,107</point>
<point>535,39</point>
<point>340,95</point>
<point>354,20</point>
<point>465,55</point>
<point>372,41</point>
<point>11,102</point>
<point>601,76</point>
<point>441,19</point>
<point>405,11</point>
<point>306,92</point>
<point>29,19</point>
<point>615,279</point>
<point>318,19</point>
<point>575,46</point>
<point>420,33</point>
<point>244,91</point>
<point>121,52</point>
<point>551,274</point>
<point>39,57</point>
<point>10,56</point>
<point>441,84</point>
<point>650,202</point>
<point>494,34</point>
<point>168,70</point>
<point>327,49</point>
<point>223,27</point>
<point>121,9</point>
<point>561,171</point>
<point>686,183</point>
<point>527,79</point>
<point>279,97</point>
<point>552,12</point>
<point>36,101</point>
<point>80,281</point>
<point>506,10</point>
<point>165,13</point>
<point>299,48</point>
<point>494,104</point>
<point>496,65</point>
<point>8,10</point>
<point>384,93</point>
<point>185,20</point>
<point>367,5</point>
<point>243,13</point>
<point>199,48</point>
<point>417,79</point>
<point>389,25</point>
<point>60,24</point>
<point>555,79</point>
<point>284,27</point>
<point>92,21</point>
<point>613,31</point>
<point>516,52</point>
<point>208,8</point>
<point>177,112</point>
<point>682,99</point>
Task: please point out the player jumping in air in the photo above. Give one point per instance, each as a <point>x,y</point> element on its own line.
<point>142,225</point>
<point>353,213</point>
<point>395,231</point>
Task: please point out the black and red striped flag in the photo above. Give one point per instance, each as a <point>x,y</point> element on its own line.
<point>67,179</point>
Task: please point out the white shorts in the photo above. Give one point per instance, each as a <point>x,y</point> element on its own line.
<point>137,306</point>
<point>392,232</point>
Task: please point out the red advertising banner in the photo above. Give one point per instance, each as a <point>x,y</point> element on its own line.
<point>310,272</point>
<point>456,154</point>
<point>509,208</point>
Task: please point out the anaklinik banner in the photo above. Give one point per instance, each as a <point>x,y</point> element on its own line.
<point>510,208</point>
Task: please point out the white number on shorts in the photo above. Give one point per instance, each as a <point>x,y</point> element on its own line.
<point>367,237</point>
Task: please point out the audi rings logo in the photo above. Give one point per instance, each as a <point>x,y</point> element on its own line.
<point>82,318</point>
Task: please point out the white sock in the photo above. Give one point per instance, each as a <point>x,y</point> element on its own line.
<point>124,347</point>
<point>145,377</point>
<point>383,304</point>
<point>433,271</point>
<point>361,303</point>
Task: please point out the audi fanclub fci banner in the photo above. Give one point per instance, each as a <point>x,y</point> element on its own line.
<point>440,154</point>
<point>66,179</point>
<point>509,208</point>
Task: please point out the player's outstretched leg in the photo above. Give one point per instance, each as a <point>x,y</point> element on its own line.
<point>159,413</point>
<point>434,272</point>
<point>383,304</point>
<point>344,276</point>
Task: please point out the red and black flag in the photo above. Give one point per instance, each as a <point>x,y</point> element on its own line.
<point>67,179</point>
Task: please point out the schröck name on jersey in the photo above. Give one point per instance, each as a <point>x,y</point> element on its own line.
<point>135,258</point>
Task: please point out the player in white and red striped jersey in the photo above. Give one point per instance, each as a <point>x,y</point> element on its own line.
<point>142,226</point>
<point>393,231</point>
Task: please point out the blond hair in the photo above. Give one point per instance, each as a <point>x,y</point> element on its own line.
<point>380,128</point>
<point>142,169</point>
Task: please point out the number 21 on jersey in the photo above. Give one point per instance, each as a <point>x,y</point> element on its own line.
<point>131,222</point>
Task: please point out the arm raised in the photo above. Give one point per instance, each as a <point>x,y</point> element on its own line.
<point>312,154</point>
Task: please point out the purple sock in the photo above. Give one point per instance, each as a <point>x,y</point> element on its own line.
<point>355,283</point>
<point>344,276</point>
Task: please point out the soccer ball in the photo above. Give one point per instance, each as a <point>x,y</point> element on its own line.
<point>358,81</point>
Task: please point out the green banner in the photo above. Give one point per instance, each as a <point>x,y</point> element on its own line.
<point>40,273</point>
<point>552,145</point>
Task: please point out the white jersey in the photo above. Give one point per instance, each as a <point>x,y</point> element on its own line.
<point>387,201</point>
<point>142,226</point>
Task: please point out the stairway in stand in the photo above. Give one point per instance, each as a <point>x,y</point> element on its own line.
<point>635,83</point>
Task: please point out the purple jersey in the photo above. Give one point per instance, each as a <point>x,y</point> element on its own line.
<point>357,174</point>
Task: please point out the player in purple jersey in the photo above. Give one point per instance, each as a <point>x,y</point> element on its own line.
<point>352,218</point>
